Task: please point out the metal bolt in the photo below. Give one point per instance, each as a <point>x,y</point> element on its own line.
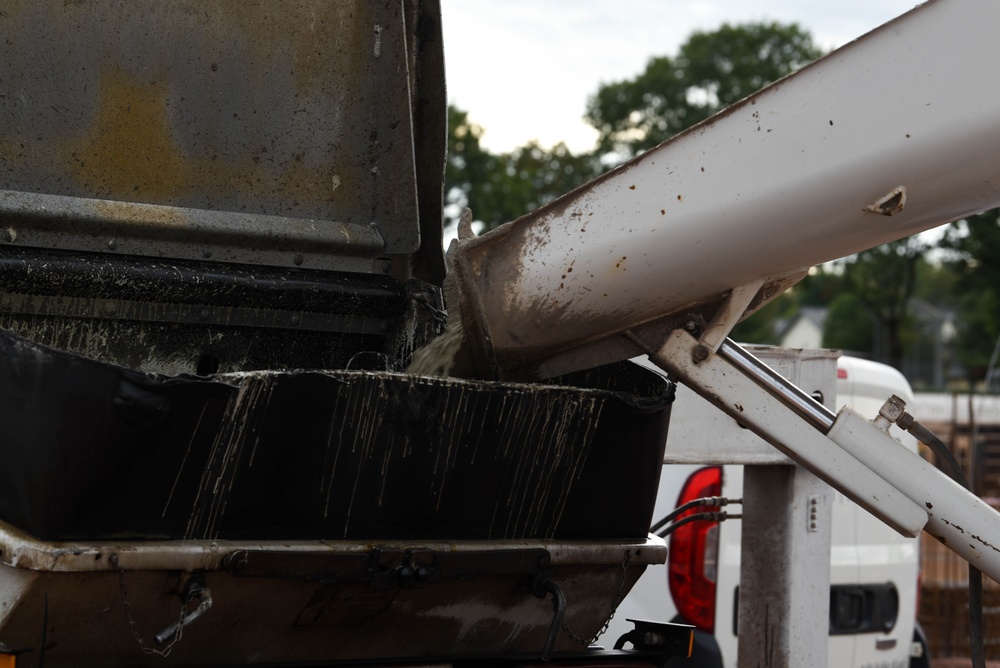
<point>700,354</point>
<point>385,266</point>
<point>691,326</point>
<point>893,409</point>
<point>9,235</point>
<point>235,562</point>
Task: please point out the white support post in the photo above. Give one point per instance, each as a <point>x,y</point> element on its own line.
<point>783,612</point>
<point>784,568</point>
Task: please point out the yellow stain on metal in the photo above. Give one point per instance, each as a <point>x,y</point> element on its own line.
<point>301,110</point>
<point>129,153</point>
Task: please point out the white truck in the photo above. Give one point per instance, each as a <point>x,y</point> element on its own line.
<point>874,572</point>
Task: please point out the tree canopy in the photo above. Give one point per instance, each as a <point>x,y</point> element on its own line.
<point>501,187</point>
<point>976,244</point>
<point>711,71</point>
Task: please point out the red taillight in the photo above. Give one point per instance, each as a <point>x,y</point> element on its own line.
<point>694,548</point>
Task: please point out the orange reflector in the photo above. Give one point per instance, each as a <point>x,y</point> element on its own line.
<point>8,661</point>
<point>690,644</point>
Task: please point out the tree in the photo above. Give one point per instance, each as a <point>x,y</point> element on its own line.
<point>499,188</point>
<point>849,325</point>
<point>468,180</point>
<point>884,279</point>
<point>712,71</point>
<point>759,327</point>
<point>976,244</point>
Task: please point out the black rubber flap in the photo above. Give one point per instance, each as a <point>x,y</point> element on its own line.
<point>89,450</point>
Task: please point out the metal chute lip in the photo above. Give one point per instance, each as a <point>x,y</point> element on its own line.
<point>107,452</point>
<point>657,391</point>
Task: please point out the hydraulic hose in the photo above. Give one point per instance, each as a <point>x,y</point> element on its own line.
<point>950,465</point>
<point>710,501</point>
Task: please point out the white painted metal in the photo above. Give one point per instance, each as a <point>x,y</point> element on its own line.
<point>702,434</point>
<point>957,518</point>
<point>784,612</point>
<point>727,388</point>
<point>782,181</point>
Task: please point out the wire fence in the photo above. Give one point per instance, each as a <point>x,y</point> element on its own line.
<point>944,603</point>
<point>970,425</point>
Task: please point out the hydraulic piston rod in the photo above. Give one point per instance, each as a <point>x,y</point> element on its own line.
<point>853,454</point>
<point>815,413</point>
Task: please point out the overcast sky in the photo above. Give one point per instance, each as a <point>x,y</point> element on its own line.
<point>524,69</point>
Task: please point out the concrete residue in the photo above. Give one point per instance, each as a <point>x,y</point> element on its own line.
<point>234,447</point>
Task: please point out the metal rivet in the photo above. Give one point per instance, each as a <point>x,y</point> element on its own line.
<point>9,235</point>
<point>204,314</point>
<point>112,244</point>
<point>298,259</point>
<point>207,253</point>
<point>296,320</point>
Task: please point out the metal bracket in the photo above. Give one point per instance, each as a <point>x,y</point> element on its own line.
<point>729,313</point>
<point>728,388</point>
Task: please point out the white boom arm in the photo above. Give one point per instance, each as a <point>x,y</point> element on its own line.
<point>893,134</point>
<point>890,135</point>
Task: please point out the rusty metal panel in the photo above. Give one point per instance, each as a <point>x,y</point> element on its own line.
<point>300,110</point>
<point>332,602</point>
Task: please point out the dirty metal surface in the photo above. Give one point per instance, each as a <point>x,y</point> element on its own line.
<point>187,316</point>
<point>302,113</point>
<point>274,620</point>
<point>96,450</point>
<point>126,228</point>
<point>343,559</point>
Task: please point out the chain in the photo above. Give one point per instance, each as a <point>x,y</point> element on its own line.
<point>134,628</point>
<point>614,607</point>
